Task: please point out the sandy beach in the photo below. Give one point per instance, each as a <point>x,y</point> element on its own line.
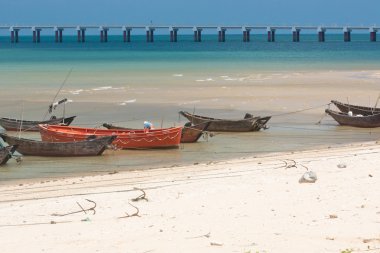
<point>253,204</point>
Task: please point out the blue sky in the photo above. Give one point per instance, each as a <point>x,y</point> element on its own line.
<point>177,12</point>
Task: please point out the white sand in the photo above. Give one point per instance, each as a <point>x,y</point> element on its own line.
<point>245,205</point>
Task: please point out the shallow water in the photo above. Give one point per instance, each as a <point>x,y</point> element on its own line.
<point>128,83</point>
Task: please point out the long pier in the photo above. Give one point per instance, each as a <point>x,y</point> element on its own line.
<point>126,31</point>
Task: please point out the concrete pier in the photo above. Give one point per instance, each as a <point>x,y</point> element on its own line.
<point>149,34</point>
<point>346,34</point>
<point>103,34</point>
<point>173,34</point>
<point>321,34</point>
<point>58,34</point>
<point>126,34</point>
<point>271,34</point>
<point>268,31</point>
<point>296,34</point>
<point>372,34</point>
<point>36,34</point>
<point>14,34</point>
<point>246,34</point>
<point>221,34</point>
<point>81,34</point>
<point>197,34</point>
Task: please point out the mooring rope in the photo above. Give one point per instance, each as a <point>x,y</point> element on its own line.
<point>302,110</point>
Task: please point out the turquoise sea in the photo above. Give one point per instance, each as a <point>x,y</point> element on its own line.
<point>127,83</point>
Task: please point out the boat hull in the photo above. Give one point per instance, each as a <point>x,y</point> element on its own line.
<point>355,121</point>
<point>6,153</point>
<point>125,139</point>
<point>28,147</point>
<point>32,126</point>
<point>192,133</point>
<point>355,109</point>
<point>189,134</point>
<point>222,125</point>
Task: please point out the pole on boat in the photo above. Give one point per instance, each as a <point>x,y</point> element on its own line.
<point>59,90</point>
<point>22,119</point>
<point>377,101</point>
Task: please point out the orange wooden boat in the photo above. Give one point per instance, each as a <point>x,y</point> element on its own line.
<point>126,139</point>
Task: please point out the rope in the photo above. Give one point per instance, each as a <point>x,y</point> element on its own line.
<point>307,109</point>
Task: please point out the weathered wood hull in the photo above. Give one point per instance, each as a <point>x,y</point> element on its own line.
<point>222,125</point>
<point>355,109</point>
<point>6,153</point>
<point>190,134</point>
<point>28,125</point>
<point>92,147</point>
<point>355,121</point>
<point>126,139</point>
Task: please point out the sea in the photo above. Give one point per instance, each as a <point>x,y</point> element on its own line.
<point>128,83</point>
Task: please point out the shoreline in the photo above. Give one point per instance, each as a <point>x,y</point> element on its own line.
<point>239,205</point>
<point>117,170</point>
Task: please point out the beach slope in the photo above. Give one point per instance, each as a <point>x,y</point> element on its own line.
<point>254,204</point>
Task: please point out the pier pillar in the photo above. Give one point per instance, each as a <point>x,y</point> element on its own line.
<point>173,34</point>
<point>12,36</point>
<point>246,34</point>
<point>16,35</point>
<point>103,34</point>
<point>38,35</point>
<point>56,36</point>
<point>197,34</point>
<point>271,34</point>
<point>60,35</point>
<point>126,34</point>
<point>221,34</point>
<point>81,34</point>
<point>321,34</point>
<point>149,34</point>
<point>347,34</point>
<point>296,34</point>
<point>372,34</point>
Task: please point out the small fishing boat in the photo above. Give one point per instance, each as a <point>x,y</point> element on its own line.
<point>91,147</point>
<point>6,153</point>
<point>28,125</point>
<point>249,123</point>
<point>126,139</point>
<point>190,133</point>
<point>355,109</point>
<point>355,120</point>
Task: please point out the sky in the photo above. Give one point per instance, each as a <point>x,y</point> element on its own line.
<point>186,12</point>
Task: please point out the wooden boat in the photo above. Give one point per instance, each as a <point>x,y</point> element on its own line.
<point>249,123</point>
<point>28,125</point>
<point>90,147</point>
<point>355,120</point>
<point>6,153</point>
<point>190,133</point>
<point>355,109</point>
<point>126,139</point>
